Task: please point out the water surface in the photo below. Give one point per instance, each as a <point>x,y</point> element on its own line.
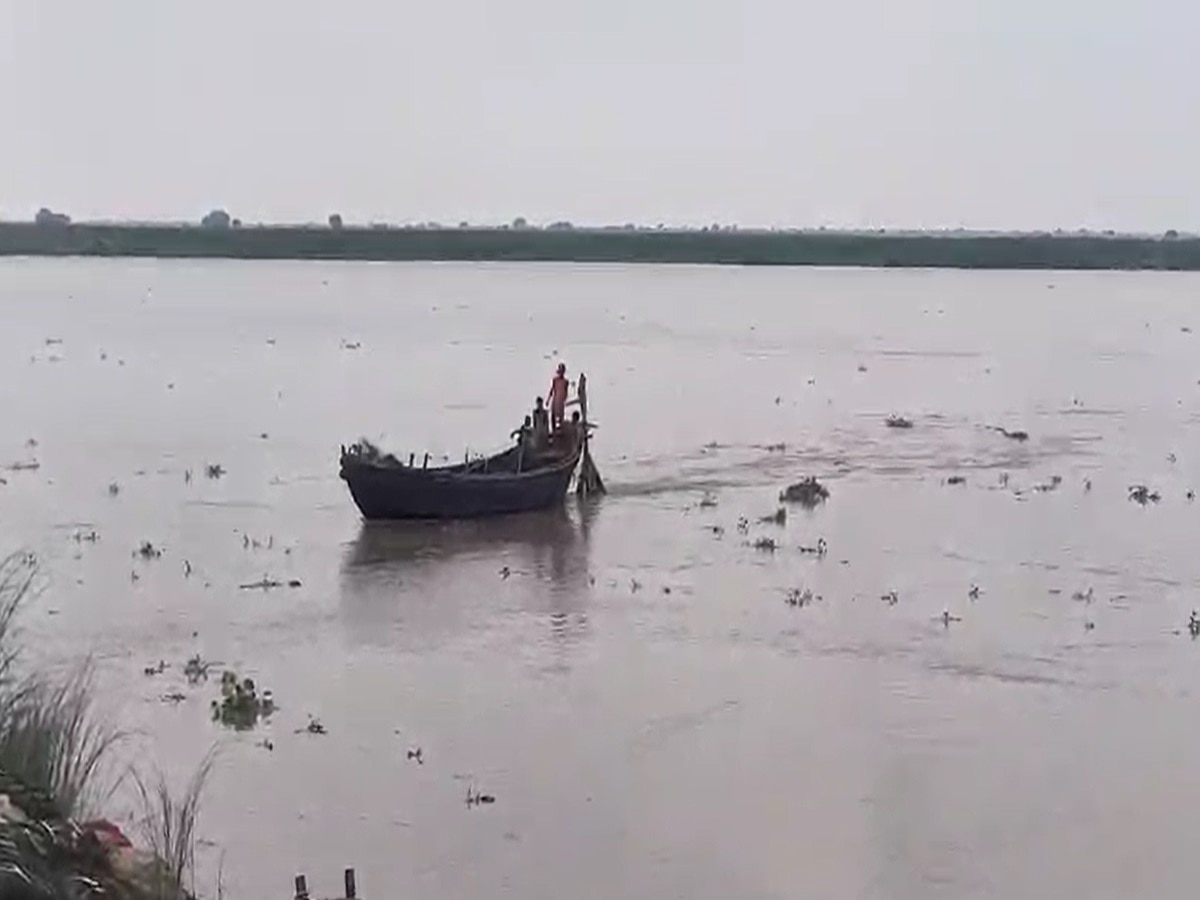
<point>652,717</point>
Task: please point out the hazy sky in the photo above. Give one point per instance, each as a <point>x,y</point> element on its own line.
<point>977,113</point>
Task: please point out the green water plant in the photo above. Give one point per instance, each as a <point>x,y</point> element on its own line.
<point>241,707</point>
<point>808,492</point>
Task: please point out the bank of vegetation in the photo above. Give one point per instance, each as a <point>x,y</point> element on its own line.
<point>56,775</point>
<point>219,236</point>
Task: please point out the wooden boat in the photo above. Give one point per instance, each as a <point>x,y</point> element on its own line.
<point>515,481</point>
<point>385,488</point>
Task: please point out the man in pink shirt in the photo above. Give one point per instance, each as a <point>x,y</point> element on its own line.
<point>557,398</point>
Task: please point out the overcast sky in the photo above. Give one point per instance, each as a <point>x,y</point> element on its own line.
<point>905,113</point>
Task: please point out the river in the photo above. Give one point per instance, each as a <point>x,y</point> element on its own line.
<point>627,679</point>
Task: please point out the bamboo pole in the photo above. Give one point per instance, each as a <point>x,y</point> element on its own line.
<point>588,481</point>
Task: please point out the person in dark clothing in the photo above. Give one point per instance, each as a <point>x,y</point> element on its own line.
<point>541,423</point>
<point>524,434</point>
<point>573,432</point>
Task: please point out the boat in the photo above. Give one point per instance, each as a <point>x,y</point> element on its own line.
<point>514,481</point>
<point>384,488</point>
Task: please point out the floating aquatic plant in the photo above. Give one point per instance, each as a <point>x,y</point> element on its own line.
<point>808,492</point>
<point>241,707</point>
<point>798,597</point>
<point>148,551</point>
<point>1143,495</point>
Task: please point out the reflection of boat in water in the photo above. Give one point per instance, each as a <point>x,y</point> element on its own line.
<point>392,545</point>
<point>414,584</point>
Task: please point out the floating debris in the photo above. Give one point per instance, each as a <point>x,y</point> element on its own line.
<point>895,421</point>
<point>314,726</point>
<point>214,470</point>
<point>808,492</point>
<point>196,669</point>
<point>267,584</point>
<point>474,798</point>
<point>819,550</point>
<point>240,706</point>
<point>799,598</point>
<point>779,517</point>
<point>1017,435</point>
<point>1142,495</point>
<point>147,551</point>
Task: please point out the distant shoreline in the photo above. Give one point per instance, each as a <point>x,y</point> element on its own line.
<point>949,250</point>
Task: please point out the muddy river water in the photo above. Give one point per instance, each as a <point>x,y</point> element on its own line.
<point>652,716</point>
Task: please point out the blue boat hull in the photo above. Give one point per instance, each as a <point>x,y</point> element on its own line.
<point>386,490</point>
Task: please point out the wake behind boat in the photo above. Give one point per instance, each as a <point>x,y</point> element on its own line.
<point>535,474</point>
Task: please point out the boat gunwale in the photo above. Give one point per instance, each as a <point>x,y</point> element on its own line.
<point>456,473</point>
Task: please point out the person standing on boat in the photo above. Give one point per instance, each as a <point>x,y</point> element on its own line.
<point>541,424</point>
<point>524,434</point>
<point>557,398</point>
<point>573,431</point>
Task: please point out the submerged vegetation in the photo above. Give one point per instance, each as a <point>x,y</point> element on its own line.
<point>718,245</point>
